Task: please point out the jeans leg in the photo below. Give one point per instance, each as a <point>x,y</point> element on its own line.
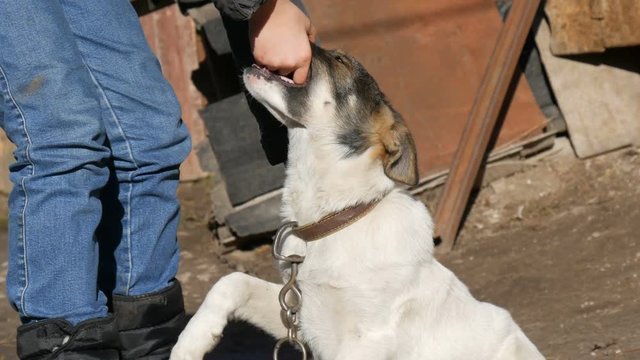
<point>148,140</point>
<point>52,114</point>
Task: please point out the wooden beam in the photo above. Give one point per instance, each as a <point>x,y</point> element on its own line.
<point>482,120</point>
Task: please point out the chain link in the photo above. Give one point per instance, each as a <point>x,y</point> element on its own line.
<point>290,296</point>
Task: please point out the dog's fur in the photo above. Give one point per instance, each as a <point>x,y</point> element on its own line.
<point>372,290</point>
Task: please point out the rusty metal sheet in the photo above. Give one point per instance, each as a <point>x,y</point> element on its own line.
<point>173,39</point>
<point>429,58</point>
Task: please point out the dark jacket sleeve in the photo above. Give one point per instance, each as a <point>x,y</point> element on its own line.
<point>273,136</point>
<point>238,9</point>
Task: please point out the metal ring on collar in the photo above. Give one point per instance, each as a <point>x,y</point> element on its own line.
<point>283,232</point>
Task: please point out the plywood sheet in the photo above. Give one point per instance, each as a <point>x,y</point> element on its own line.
<point>429,58</point>
<point>600,102</point>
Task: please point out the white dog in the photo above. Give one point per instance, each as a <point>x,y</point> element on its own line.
<point>371,289</point>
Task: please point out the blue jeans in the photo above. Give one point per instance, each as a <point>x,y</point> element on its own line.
<point>99,138</point>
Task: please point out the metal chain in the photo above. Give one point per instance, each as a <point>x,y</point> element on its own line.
<point>290,296</point>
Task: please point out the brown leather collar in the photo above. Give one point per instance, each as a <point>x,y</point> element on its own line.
<point>334,222</point>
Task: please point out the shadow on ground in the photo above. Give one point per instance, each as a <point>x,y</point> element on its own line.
<point>242,341</point>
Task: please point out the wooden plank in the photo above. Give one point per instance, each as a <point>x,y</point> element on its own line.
<point>621,24</point>
<point>482,120</point>
<point>6,159</point>
<point>600,102</point>
<point>259,218</point>
<point>574,30</point>
<point>588,26</point>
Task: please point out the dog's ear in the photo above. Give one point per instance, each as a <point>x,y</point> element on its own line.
<point>399,150</point>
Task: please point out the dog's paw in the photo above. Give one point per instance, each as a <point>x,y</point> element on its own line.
<point>193,347</point>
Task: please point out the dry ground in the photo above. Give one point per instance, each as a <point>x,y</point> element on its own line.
<point>556,244</point>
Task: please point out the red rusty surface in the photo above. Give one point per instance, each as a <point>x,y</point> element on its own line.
<point>429,57</point>
<point>172,37</point>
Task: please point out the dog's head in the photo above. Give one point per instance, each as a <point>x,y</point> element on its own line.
<point>341,104</point>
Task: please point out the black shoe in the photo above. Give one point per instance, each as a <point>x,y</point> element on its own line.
<point>149,324</point>
<point>58,339</point>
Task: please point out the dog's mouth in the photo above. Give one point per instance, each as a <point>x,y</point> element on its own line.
<point>269,75</point>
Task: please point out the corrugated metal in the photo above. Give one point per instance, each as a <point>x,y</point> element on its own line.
<point>428,56</point>
<point>173,39</point>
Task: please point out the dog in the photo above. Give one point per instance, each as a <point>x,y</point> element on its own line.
<point>372,290</point>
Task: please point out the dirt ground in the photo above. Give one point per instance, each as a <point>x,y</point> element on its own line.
<point>556,244</point>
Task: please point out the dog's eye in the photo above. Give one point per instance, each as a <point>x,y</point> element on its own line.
<point>339,59</point>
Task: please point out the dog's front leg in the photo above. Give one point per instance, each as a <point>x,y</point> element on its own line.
<point>235,296</point>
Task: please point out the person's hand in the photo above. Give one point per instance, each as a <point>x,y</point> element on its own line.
<point>280,33</point>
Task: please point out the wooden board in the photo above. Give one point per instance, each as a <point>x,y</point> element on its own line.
<point>259,218</point>
<point>600,102</point>
<point>586,26</point>
<point>6,159</point>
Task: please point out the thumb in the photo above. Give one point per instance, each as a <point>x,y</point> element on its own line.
<point>301,73</point>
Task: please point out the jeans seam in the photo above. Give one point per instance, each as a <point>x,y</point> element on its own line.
<point>130,175</point>
<point>23,231</point>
